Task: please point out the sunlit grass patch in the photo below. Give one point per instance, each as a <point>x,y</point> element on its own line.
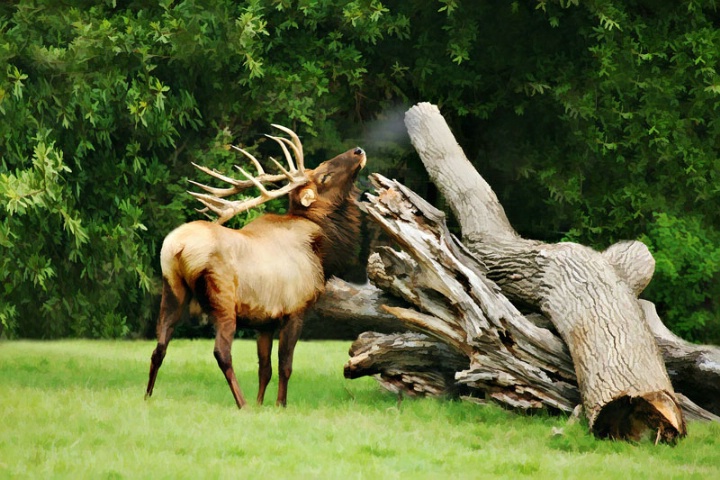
<point>75,409</point>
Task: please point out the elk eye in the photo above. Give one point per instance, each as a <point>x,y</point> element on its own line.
<point>325,178</point>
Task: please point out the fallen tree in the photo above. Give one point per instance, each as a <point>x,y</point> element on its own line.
<point>599,349</point>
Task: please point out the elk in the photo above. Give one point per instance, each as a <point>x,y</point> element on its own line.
<point>265,275</point>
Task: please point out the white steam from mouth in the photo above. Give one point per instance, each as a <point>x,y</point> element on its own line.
<point>388,127</point>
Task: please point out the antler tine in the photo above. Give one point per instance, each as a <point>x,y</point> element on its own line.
<point>295,182</point>
<point>296,145</point>
<point>218,192</point>
<point>260,186</point>
<point>283,142</point>
<point>288,174</point>
<point>226,209</point>
<point>204,211</point>
<point>214,173</point>
<point>237,185</point>
<point>252,159</point>
<point>218,205</point>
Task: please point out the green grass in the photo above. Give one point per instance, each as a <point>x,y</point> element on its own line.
<point>75,409</point>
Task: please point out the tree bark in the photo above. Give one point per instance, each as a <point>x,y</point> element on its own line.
<point>410,363</point>
<point>419,364</point>
<point>694,369</point>
<point>589,297</point>
<point>509,358</point>
<point>346,310</point>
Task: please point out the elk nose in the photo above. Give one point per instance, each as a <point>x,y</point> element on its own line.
<point>361,153</point>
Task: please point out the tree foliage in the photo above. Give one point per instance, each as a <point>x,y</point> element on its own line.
<point>593,120</point>
<point>104,105</point>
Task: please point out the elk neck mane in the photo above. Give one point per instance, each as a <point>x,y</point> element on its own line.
<point>340,224</point>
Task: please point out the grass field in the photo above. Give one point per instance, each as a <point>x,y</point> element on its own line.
<point>75,409</point>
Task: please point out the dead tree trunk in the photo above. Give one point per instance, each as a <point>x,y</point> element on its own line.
<point>591,299</point>
<point>620,372</point>
<point>420,364</point>
<point>505,356</point>
<point>346,310</point>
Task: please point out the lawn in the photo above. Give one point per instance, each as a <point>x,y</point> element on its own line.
<point>75,409</point>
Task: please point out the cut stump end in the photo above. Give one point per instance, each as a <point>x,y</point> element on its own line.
<point>632,418</point>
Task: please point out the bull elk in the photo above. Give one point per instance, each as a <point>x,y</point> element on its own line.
<point>265,275</point>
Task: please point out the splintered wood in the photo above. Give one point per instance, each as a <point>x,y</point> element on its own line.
<point>588,342</point>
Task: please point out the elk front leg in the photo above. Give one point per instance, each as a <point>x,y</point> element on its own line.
<point>172,307</point>
<point>289,334</point>
<point>225,325</point>
<point>264,352</point>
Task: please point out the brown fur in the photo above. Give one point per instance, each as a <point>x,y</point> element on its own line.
<point>264,275</point>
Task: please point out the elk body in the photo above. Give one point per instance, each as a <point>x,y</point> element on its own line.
<point>266,274</point>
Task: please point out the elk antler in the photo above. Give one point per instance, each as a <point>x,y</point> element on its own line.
<point>225,209</point>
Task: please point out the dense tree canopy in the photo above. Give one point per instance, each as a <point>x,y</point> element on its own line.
<point>593,120</point>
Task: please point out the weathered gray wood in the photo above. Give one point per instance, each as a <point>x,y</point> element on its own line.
<point>346,310</point>
<point>694,369</point>
<point>509,358</point>
<point>695,412</point>
<point>471,199</point>
<point>632,262</point>
<point>409,363</point>
<point>527,271</point>
<point>620,372</point>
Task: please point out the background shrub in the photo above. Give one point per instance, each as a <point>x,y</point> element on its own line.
<point>594,121</point>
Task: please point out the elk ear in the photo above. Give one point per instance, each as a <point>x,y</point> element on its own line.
<point>307,197</point>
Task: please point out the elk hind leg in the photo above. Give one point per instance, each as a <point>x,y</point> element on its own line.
<point>172,308</point>
<point>289,335</point>
<point>264,353</point>
<point>225,326</point>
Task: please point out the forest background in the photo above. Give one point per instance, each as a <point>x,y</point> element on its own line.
<point>593,121</point>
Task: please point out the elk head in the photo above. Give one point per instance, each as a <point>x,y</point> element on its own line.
<point>328,185</point>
